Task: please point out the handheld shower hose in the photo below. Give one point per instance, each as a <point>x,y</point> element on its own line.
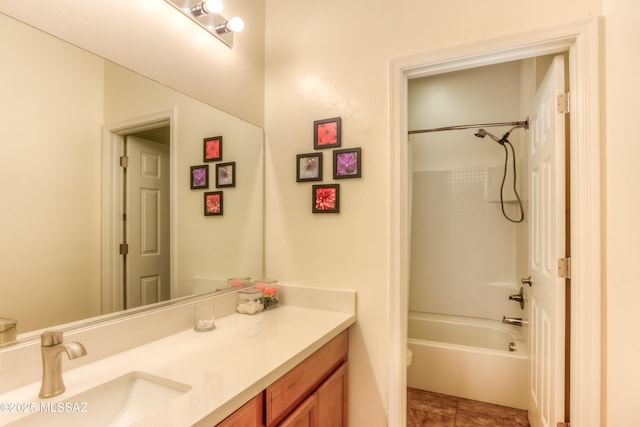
<point>504,141</point>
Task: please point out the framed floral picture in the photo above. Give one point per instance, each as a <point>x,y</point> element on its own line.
<point>347,163</point>
<point>212,149</point>
<point>309,167</point>
<point>213,203</point>
<point>226,174</point>
<point>326,198</point>
<point>326,133</point>
<point>199,176</point>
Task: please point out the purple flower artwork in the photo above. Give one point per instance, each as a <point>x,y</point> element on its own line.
<point>347,163</point>
<point>199,176</point>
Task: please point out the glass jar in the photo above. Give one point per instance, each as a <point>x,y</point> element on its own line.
<point>249,301</point>
<point>269,289</point>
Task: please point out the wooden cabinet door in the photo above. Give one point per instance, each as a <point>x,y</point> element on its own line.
<point>249,415</point>
<point>305,414</point>
<point>332,399</point>
<point>293,387</point>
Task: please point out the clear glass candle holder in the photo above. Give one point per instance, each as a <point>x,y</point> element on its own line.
<point>249,301</point>
<point>204,318</point>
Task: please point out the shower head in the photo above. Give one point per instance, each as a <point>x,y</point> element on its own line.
<point>482,133</point>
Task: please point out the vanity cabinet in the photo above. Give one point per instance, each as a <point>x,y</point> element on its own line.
<point>249,415</point>
<point>327,407</point>
<point>315,379</point>
<point>312,394</point>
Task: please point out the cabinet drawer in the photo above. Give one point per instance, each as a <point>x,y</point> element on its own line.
<point>249,415</point>
<point>286,393</point>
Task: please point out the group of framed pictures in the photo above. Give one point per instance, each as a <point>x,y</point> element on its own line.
<point>225,175</point>
<point>347,163</point>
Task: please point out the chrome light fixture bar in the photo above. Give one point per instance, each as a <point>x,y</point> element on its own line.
<point>207,15</point>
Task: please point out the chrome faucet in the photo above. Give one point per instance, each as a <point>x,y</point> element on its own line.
<point>52,348</point>
<point>517,321</point>
<point>519,297</point>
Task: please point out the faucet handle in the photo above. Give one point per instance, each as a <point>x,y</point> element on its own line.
<point>51,338</point>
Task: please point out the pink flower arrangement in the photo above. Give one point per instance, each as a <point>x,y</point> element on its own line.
<point>267,291</point>
<point>269,295</point>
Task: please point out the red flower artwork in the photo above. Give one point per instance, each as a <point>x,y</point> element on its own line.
<point>325,198</point>
<point>213,150</point>
<point>327,133</point>
<point>213,203</point>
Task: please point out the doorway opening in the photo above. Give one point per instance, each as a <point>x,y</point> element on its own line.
<point>580,42</point>
<point>138,218</point>
<point>472,242</point>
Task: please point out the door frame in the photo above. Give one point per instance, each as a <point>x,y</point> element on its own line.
<point>580,40</point>
<point>112,201</point>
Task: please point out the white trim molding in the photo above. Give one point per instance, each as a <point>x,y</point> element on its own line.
<point>580,40</point>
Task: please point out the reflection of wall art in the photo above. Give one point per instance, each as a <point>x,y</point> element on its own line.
<point>347,163</point>
<point>326,198</point>
<point>199,176</point>
<point>309,167</point>
<point>326,133</point>
<point>226,174</point>
<point>212,149</point>
<point>213,203</point>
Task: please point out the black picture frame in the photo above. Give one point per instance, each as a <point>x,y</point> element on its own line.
<point>213,203</point>
<point>226,174</point>
<point>347,163</point>
<point>212,149</point>
<point>325,198</point>
<point>199,177</point>
<point>327,133</point>
<point>309,167</point>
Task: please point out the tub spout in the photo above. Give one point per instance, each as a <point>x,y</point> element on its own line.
<point>517,321</point>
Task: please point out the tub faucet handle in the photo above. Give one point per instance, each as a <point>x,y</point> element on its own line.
<point>519,297</point>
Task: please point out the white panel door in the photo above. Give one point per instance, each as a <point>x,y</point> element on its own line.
<point>547,238</point>
<point>147,223</point>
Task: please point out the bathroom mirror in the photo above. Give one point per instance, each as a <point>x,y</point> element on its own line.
<point>65,114</point>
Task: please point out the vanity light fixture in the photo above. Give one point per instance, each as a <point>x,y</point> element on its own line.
<point>234,24</point>
<point>207,15</point>
<point>206,7</point>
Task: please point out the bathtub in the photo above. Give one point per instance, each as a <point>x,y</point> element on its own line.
<point>468,358</point>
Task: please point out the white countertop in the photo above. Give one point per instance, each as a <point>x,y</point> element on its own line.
<point>225,367</point>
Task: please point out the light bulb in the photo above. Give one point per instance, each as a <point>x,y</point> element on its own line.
<point>205,8</point>
<point>213,6</point>
<point>235,24</point>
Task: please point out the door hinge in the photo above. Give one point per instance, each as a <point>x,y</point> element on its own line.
<point>562,103</point>
<point>124,162</point>
<point>564,268</point>
<point>124,249</point>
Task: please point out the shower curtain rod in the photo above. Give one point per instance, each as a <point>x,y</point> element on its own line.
<point>524,124</point>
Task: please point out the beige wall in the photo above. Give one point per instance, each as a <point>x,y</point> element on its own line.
<point>50,119</point>
<point>332,59</point>
<point>621,161</point>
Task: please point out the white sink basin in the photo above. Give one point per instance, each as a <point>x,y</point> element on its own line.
<point>119,402</point>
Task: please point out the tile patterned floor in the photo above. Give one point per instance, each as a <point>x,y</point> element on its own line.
<point>428,409</point>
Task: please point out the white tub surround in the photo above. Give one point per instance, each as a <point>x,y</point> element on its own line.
<point>225,367</point>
